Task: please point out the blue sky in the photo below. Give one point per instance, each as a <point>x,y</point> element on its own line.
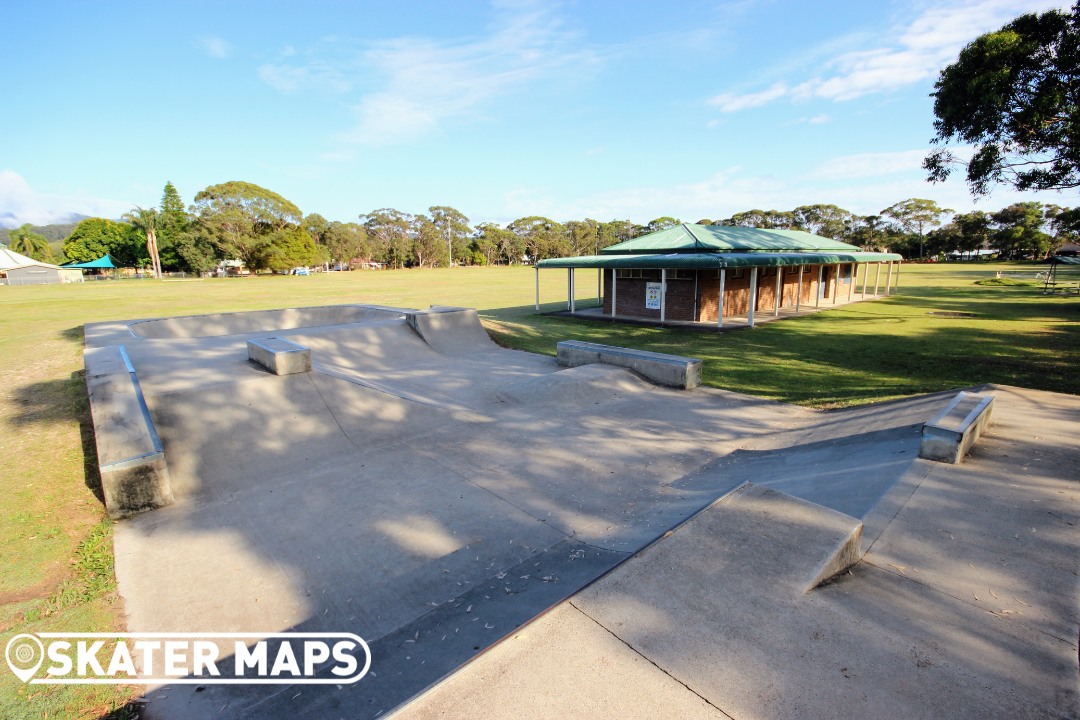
<point>593,108</point>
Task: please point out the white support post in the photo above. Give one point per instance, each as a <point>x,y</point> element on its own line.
<point>537,289</point>
<point>720,300</point>
<point>877,278</point>
<point>614,291</point>
<point>836,284</point>
<point>865,279</point>
<point>600,289</point>
<point>779,289</point>
<point>888,281</point>
<point>851,282</point>
<point>817,295</point>
<point>570,289</point>
<point>663,295</point>
<point>897,288</point>
<point>753,297</point>
<point>798,295</point>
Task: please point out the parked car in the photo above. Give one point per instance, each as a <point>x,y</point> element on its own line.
<point>300,271</point>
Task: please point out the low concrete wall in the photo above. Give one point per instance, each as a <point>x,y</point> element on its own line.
<point>949,436</point>
<point>131,459</point>
<point>279,356</point>
<point>669,370</point>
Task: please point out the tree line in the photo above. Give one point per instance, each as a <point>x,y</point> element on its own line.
<point>245,222</point>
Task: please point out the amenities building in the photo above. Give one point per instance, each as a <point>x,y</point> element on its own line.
<point>709,273</point>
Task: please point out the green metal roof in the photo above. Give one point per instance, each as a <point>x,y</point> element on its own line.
<point>1066,259</point>
<point>705,260</point>
<point>721,238</point>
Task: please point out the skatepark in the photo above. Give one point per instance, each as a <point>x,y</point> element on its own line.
<point>513,537</point>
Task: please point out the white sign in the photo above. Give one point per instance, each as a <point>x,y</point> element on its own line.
<point>652,295</point>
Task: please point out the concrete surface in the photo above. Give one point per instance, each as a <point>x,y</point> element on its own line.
<point>434,493</point>
<point>668,370</point>
<point>948,437</point>
<point>280,357</point>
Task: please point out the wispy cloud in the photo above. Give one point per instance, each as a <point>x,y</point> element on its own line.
<point>22,204</point>
<point>417,84</point>
<point>910,53</point>
<point>865,165</point>
<point>214,46</point>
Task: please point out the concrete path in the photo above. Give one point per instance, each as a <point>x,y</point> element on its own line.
<point>434,495</point>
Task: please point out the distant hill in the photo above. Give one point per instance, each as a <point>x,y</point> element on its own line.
<point>54,233</point>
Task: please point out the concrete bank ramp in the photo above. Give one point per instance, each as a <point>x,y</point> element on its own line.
<point>236,323</point>
<point>451,330</point>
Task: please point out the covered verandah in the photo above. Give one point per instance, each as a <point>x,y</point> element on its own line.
<point>726,290</point>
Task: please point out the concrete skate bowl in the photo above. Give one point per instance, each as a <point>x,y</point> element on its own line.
<point>259,321</point>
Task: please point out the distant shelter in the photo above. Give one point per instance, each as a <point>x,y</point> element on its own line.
<point>17,269</point>
<point>710,273</point>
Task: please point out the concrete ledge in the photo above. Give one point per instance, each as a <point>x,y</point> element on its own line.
<point>670,370</point>
<point>131,459</point>
<point>279,356</point>
<point>949,436</point>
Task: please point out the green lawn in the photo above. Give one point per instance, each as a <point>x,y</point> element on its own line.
<point>56,543</point>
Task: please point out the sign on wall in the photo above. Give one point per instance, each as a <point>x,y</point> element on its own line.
<point>652,295</point>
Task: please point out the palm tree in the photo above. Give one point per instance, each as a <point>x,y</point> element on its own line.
<point>146,220</point>
<point>27,242</point>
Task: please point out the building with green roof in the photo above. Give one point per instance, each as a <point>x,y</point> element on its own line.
<point>706,273</point>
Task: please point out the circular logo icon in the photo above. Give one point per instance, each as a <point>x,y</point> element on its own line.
<point>24,655</point>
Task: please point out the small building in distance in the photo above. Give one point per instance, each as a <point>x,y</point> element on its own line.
<point>712,273</point>
<point>16,269</point>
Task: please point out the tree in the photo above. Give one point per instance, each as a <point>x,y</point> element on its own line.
<point>346,242</point>
<point>27,242</point>
<point>583,236</point>
<point>768,219</point>
<point>662,223</point>
<point>172,223</point>
<point>287,248</point>
<point>826,220</point>
<point>454,229</point>
<point>146,221</point>
<point>916,216</point>
<point>429,244</point>
<point>974,228</point>
<point>1015,94</point>
<point>390,231</point>
<point>494,241</point>
<point>1019,233</point>
<point>616,231</point>
<point>541,237</point>
<point>240,218</point>
<point>94,237</point>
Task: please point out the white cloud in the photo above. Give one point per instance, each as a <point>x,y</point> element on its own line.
<point>214,46</point>
<point>22,204</point>
<point>418,83</point>
<point>733,102</point>
<point>908,54</point>
<point>863,165</point>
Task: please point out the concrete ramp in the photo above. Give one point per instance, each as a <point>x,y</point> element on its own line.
<point>193,326</point>
<point>451,330</point>
<point>584,385</point>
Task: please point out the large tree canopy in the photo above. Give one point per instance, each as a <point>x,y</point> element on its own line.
<point>94,237</point>
<point>241,219</point>
<point>1015,95</point>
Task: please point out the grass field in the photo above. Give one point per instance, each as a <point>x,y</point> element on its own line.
<point>57,552</point>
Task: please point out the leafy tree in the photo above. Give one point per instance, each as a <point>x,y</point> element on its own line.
<point>916,216</point>
<point>584,236</point>
<point>825,220</point>
<point>288,248</point>
<point>146,222</point>
<point>454,229</point>
<point>1020,231</point>
<point>94,237</point>
<point>768,219</point>
<point>492,242</point>
<point>541,236</point>
<point>317,227</point>
<point>975,230</point>
<point>172,222</point>
<point>429,244</point>
<point>241,219</point>
<point>662,223</point>
<point>616,231</point>
<point>1015,94</point>
<point>345,242</point>
<point>390,232</point>
<point>25,241</point>
<point>196,253</point>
